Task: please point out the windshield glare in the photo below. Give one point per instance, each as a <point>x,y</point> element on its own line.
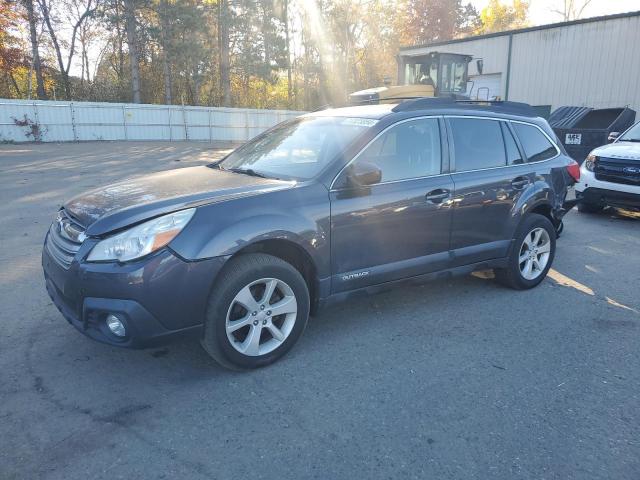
<point>299,149</point>
<point>632,135</point>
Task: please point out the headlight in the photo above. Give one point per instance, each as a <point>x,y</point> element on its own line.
<point>590,162</point>
<point>142,239</point>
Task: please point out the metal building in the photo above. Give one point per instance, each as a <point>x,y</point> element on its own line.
<point>593,62</point>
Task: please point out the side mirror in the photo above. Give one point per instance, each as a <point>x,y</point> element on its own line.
<point>613,136</point>
<point>363,174</point>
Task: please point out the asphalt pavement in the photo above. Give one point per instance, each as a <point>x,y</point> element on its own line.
<point>461,379</point>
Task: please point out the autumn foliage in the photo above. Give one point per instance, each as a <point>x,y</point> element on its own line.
<point>252,53</point>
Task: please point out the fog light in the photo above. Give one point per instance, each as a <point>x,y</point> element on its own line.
<point>116,326</point>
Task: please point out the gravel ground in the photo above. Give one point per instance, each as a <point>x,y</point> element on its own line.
<point>459,379</point>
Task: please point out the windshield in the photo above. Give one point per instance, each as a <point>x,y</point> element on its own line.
<point>632,135</point>
<point>299,149</point>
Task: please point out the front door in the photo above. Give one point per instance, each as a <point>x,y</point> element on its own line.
<point>400,226</point>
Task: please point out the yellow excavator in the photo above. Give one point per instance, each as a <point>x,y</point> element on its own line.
<point>436,74</point>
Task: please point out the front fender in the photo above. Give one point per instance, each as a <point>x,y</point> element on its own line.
<point>256,229</point>
<point>223,229</point>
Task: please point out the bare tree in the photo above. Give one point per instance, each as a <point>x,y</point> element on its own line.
<point>288,48</point>
<point>35,51</point>
<point>88,33</point>
<point>223,48</point>
<point>118,40</point>
<point>572,9</point>
<point>84,10</point>
<point>165,34</point>
<point>132,41</point>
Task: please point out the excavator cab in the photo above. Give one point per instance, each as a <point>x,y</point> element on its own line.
<point>435,74</point>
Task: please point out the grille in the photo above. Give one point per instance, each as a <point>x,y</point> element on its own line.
<point>64,239</point>
<point>618,170</point>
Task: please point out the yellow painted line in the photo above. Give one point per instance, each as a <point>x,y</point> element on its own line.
<point>484,274</point>
<point>565,281</point>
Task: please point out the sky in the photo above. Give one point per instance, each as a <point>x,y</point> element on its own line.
<point>540,11</point>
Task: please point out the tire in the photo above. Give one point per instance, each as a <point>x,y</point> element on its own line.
<point>537,252</point>
<point>584,207</point>
<point>235,320</point>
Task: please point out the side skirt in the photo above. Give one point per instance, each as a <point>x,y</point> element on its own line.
<point>415,280</point>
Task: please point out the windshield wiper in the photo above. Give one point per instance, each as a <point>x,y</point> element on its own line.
<point>248,171</point>
<point>630,140</point>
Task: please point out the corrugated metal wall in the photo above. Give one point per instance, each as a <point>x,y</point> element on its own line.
<point>81,121</point>
<point>593,64</point>
<point>590,64</point>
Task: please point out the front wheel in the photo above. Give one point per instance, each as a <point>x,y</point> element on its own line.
<point>531,255</point>
<point>257,310</point>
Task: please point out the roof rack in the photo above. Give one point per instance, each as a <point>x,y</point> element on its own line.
<point>499,106</point>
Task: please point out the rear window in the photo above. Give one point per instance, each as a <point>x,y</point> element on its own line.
<point>513,154</point>
<point>537,147</point>
<point>477,144</point>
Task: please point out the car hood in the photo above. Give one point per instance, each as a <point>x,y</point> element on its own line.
<point>134,200</point>
<point>626,150</point>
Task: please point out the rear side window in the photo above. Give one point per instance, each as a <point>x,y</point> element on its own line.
<point>536,146</point>
<point>477,144</point>
<point>514,157</point>
<point>407,150</point>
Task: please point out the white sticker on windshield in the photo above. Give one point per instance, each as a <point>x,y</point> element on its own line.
<point>360,122</point>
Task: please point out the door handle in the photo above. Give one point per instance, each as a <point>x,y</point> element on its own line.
<point>520,182</point>
<point>437,196</point>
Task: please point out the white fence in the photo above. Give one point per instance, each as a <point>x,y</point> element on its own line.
<point>54,121</point>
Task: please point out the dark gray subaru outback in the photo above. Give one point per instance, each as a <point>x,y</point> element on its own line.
<point>332,204</point>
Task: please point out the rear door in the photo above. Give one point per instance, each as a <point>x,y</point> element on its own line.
<point>489,173</point>
<point>400,226</point>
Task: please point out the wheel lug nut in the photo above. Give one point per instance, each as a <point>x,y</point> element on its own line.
<point>264,322</point>
<point>268,312</point>
<point>254,313</point>
<point>255,323</point>
<point>261,307</point>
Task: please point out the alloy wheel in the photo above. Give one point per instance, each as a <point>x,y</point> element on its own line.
<point>534,253</point>
<point>261,316</point>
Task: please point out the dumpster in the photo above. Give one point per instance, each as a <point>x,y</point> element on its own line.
<point>581,129</point>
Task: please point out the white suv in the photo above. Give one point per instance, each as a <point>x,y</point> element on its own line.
<point>611,174</point>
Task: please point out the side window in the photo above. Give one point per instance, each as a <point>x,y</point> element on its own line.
<point>407,150</point>
<point>536,146</point>
<point>513,153</point>
<point>477,144</point>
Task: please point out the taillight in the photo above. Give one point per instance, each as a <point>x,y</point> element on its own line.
<point>574,170</point>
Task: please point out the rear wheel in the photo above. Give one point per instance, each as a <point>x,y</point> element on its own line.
<point>257,310</point>
<point>584,207</point>
<point>532,254</point>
